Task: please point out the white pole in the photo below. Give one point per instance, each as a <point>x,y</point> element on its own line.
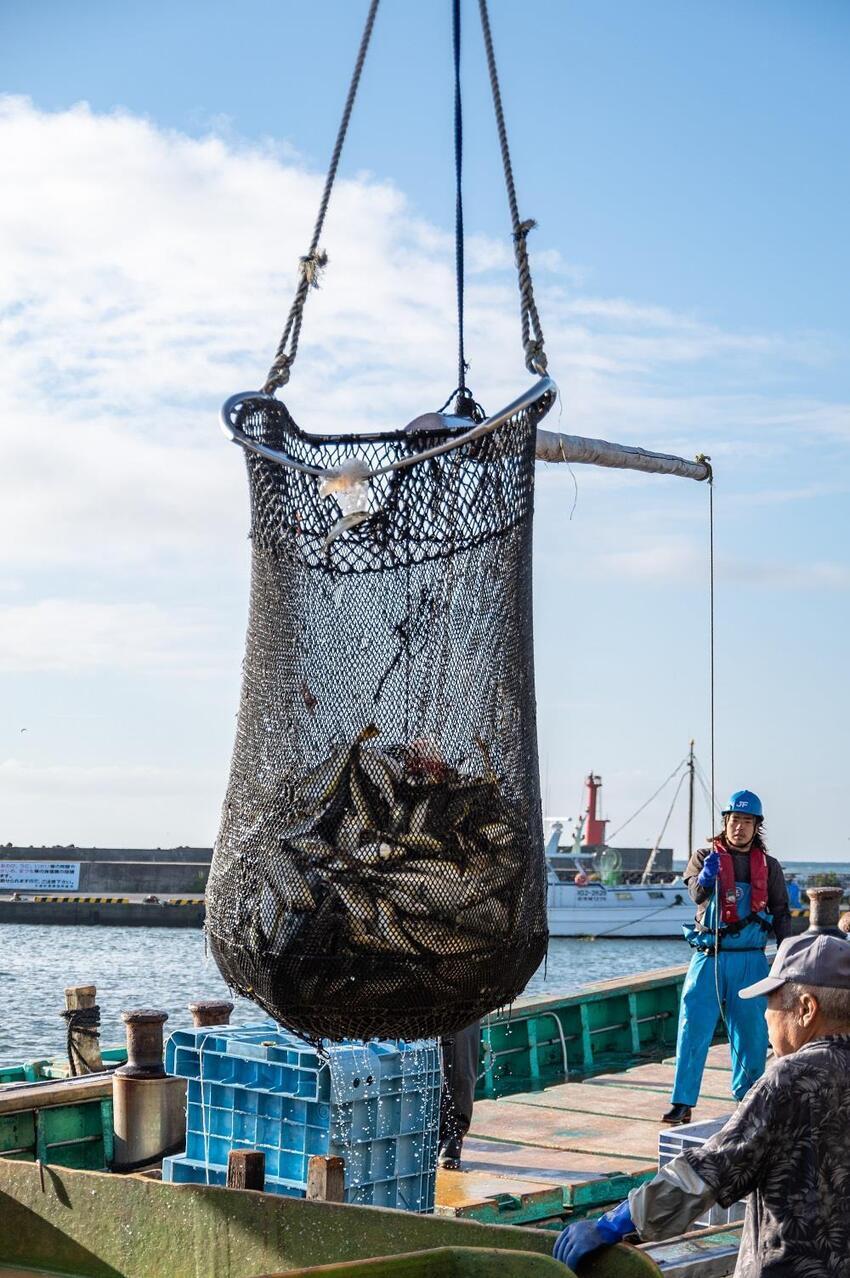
<point>553,447</point>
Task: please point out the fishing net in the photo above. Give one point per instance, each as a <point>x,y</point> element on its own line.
<point>379,869</point>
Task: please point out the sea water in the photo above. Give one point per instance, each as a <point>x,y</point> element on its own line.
<point>168,967</point>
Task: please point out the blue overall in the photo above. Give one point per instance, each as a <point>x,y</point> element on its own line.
<point>741,962</point>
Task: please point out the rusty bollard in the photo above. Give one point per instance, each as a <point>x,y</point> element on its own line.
<point>149,1107</point>
<point>210,1011</point>
<point>824,909</point>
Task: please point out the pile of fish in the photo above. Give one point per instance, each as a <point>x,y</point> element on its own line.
<point>393,851</point>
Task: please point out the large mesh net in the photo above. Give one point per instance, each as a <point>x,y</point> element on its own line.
<point>379,868</point>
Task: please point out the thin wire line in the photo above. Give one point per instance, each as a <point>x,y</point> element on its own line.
<point>646,805</point>
<point>711,629</point>
<point>666,820</point>
<point>459,264</point>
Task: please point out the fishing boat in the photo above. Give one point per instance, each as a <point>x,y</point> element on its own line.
<point>536,1159</point>
<point>629,911</point>
<point>598,891</point>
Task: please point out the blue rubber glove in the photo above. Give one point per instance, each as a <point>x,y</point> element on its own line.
<point>710,870</point>
<point>579,1240</point>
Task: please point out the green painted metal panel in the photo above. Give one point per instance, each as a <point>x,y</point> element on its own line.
<point>129,1227</point>
<point>17,1133</point>
<point>77,1135</point>
<point>445,1262</point>
<point>590,1032</point>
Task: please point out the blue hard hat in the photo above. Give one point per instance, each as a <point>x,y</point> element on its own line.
<point>744,802</point>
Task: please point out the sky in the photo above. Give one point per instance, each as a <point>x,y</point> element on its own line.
<point>686,165</point>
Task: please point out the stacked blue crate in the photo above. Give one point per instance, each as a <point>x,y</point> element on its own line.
<point>375,1105</point>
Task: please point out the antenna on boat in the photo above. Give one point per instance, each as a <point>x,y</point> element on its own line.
<point>691,801</point>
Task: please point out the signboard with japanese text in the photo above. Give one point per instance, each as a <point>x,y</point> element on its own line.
<point>37,876</point>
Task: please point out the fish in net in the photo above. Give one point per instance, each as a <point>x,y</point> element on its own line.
<point>379,868</point>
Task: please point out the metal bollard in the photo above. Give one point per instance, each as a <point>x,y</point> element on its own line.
<point>144,1043</point>
<point>824,909</point>
<point>210,1011</point>
<point>149,1107</point>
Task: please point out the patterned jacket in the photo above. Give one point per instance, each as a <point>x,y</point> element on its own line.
<point>786,1149</point>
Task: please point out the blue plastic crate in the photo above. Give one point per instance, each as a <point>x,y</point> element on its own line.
<point>376,1105</point>
<point>408,1193</point>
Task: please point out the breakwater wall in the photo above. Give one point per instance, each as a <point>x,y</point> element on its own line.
<point>74,913</point>
<point>10,852</point>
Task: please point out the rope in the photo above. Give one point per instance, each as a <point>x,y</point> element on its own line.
<point>711,623</point>
<point>532,331</point>
<point>313,261</point>
<point>86,1020</point>
<point>736,1058</point>
<point>646,805</point>
<point>669,813</point>
<point>464,400</point>
<point>671,905</point>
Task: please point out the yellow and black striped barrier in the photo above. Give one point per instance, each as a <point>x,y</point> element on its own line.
<point>83,900</point>
<point>115,900</point>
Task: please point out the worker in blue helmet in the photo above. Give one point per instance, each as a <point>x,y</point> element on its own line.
<point>741,897</point>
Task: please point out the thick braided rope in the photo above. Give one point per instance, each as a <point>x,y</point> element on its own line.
<point>313,261</point>
<point>86,1020</point>
<point>532,332</point>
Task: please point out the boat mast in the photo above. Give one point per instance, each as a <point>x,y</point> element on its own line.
<point>691,801</point>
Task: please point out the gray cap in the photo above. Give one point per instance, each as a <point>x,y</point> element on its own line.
<point>808,959</point>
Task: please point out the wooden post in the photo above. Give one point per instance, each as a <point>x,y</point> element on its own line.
<point>326,1179</point>
<point>246,1169</point>
<point>84,1039</point>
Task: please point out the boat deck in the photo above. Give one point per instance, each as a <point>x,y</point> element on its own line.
<point>578,1146</point>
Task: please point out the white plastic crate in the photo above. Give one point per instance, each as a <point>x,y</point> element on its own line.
<point>674,1141</point>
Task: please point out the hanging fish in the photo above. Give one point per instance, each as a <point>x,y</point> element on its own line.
<point>344,525</point>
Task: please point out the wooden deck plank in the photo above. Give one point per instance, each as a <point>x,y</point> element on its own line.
<point>538,1163</point>
<point>719,1057</point>
<point>629,1103</point>
<point>565,1129</point>
<point>717,1083</point>
<point>499,1199</point>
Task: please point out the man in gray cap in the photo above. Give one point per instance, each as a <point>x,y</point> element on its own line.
<point>786,1149</point>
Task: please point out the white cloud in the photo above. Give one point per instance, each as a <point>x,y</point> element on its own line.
<point>70,634</point>
<point>22,780</point>
<point>146,275</point>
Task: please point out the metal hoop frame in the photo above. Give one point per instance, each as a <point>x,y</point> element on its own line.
<point>542,388</point>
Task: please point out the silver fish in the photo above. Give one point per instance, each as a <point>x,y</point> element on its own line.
<point>344,525</point>
<point>360,799</point>
<point>378,772</point>
<point>390,928</point>
<point>357,902</point>
<point>350,834</point>
<point>311,848</point>
<point>421,843</point>
<point>488,916</point>
<point>437,938</point>
<point>498,833</point>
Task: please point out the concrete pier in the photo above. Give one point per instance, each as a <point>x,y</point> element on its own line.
<point>78,909</point>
